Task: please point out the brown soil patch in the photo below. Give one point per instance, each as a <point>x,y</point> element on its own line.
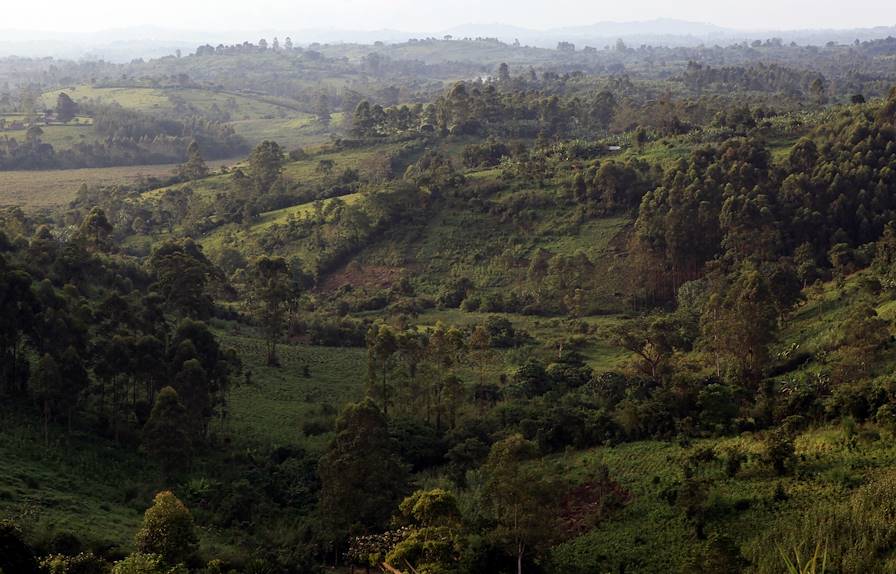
<point>375,276</point>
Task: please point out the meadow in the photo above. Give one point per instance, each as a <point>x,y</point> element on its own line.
<point>32,190</point>
<point>651,534</point>
<point>255,117</point>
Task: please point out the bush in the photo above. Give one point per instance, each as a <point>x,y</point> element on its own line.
<point>734,459</point>
<point>80,564</point>
<point>16,557</point>
<point>167,530</point>
<point>779,451</point>
<point>316,427</point>
<point>486,154</point>
<point>139,563</point>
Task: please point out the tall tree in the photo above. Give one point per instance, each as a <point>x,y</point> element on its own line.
<point>265,165</point>
<point>480,351</point>
<point>193,388</point>
<point>46,383</point>
<point>95,230</point>
<point>166,435</point>
<point>271,292</point>
<point>382,345</point>
<point>18,308</point>
<point>74,381</point>
<point>322,109</point>
<point>520,497</point>
<point>653,339</point>
<point>183,273</point>
<point>503,72</point>
<point>194,167</point>
<point>363,123</point>
<point>739,323</point>
<point>66,108</point>
<point>362,477</point>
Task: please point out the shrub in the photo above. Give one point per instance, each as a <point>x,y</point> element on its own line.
<point>316,427</point>
<point>139,563</point>
<point>15,556</point>
<point>167,530</point>
<point>80,564</point>
<point>779,451</point>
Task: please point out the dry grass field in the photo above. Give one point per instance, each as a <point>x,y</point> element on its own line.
<point>42,189</point>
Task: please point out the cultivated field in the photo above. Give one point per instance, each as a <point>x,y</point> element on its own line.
<point>42,189</point>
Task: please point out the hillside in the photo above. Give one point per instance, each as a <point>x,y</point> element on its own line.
<point>552,320</point>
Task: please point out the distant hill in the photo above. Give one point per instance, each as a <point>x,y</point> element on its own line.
<point>660,27</point>
<point>125,44</point>
<point>660,32</point>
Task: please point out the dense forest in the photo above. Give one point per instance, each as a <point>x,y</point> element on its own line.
<point>505,309</point>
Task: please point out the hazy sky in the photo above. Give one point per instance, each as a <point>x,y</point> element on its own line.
<point>429,15</point>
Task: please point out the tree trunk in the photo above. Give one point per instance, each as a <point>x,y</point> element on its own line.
<point>46,423</point>
<point>519,558</point>
<point>272,353</point>
<point>115,406</point>
<point>385,393</point>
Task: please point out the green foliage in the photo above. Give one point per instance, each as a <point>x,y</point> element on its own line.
<point>739,323</point>
<point>66,108</point>
<point>362,478</point>
<point>779,451</point>
<point>140,563</point>
<point>797,565</point>
<point>272,297</point>
<point>850,535</point>
<point>265,165</point>
<point>654,340</point>
<point>402,239</point>
<point>194,167</point>
<point>166,435</point>
<point>519,497</point>
<point>432,543</point>
<point>183,274</point>
<point>167,530</point>
<point>83,563</point>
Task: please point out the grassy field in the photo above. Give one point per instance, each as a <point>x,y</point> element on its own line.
<point>54,188</point>
<point>59,135</point>
<point>167,100</point>
<point>86,486</point>
<point>269,410</point>
<point>254,117</point>
<point>303,172</point>
<point>650,535</point>
<point>298,130</point>
<point>282,216</point>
